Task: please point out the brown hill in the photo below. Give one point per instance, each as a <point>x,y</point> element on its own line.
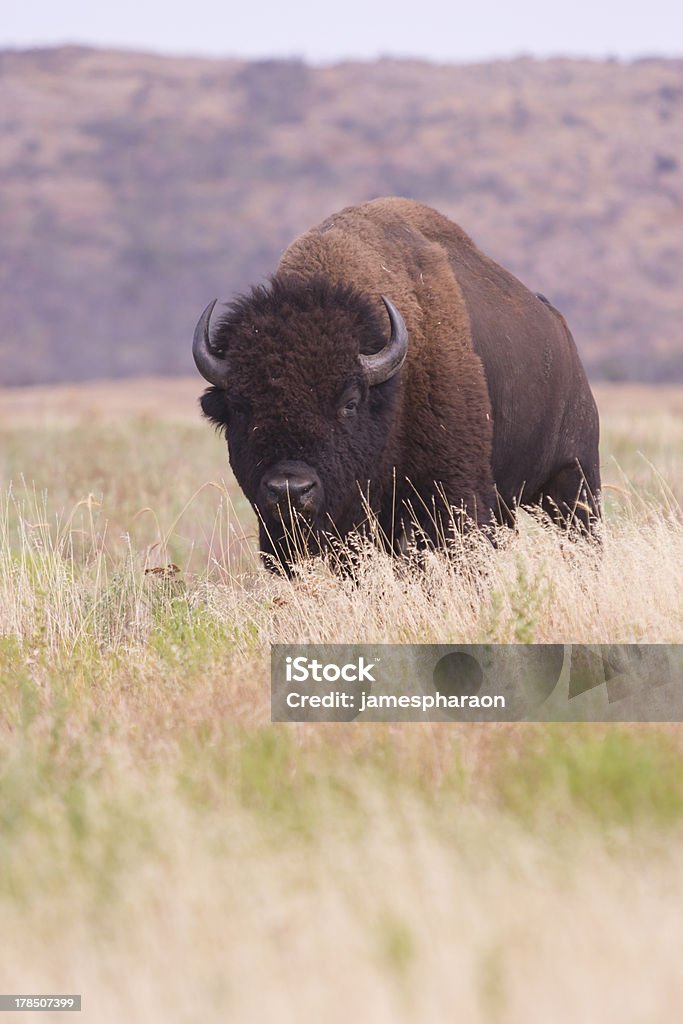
<point>137,187</point>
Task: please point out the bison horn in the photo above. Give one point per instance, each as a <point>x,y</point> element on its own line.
<point>211,366</point>
<point>384,364</point>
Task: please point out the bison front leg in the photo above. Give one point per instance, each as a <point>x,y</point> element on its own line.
<point>436,520</point>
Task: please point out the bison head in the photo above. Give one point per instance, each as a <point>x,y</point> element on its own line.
<point>304,379</point>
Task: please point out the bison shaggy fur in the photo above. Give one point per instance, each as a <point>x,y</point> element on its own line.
<point>491,408</point>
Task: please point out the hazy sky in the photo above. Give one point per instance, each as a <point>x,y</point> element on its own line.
<point>319,32</point>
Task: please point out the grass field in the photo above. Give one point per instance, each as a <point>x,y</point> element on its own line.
<point>170,854</point>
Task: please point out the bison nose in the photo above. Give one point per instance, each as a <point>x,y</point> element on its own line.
<point>300,491</point>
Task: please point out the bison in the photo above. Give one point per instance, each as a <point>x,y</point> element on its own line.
<point>390,367</point>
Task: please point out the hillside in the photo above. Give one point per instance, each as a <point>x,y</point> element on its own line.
<point>137,187</point>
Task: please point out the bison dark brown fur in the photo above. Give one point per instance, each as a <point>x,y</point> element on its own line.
<point>491,408</point>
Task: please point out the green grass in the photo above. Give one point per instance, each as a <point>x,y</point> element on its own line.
<point>616,778</point>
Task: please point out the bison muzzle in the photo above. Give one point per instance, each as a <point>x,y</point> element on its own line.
<point>391,370</point>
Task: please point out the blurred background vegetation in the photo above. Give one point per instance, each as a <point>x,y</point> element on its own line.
<point>137,187</point>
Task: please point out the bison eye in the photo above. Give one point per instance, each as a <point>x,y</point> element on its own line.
<point>349,404</point>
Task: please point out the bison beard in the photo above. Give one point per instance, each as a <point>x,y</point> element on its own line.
<point>390,369</point>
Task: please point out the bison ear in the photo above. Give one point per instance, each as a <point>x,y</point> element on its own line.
<point>215,407</point>
<point>209,362</point>
<point>384,364</point>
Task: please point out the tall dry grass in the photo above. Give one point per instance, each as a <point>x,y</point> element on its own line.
<point>172,855</point>
<point>66,581</point>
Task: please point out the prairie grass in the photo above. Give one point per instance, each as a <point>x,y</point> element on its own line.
<point>173,856</point>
